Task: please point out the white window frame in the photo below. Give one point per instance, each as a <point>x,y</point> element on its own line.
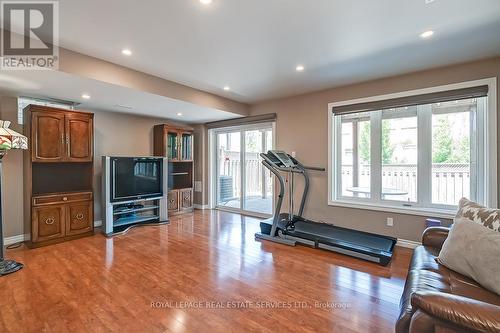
<point>487,175</point>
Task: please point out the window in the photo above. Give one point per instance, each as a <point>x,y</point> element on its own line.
<point>23,102</point>
<point>413,153</point>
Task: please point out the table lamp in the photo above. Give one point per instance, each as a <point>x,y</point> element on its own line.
<point>9,139</point>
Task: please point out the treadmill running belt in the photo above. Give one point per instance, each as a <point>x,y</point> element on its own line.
<point>356,238</point>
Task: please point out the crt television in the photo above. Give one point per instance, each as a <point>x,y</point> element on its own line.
<point>135,178</point>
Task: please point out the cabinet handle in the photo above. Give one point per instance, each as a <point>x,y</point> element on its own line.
<point>50,221</point>
<point>65,198</point>
<point>79,216</point>
<point>186,198</point>
<point>171,200</point>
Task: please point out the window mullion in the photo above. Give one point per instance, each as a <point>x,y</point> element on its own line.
<point>424,152</point>
<point>376,155</point>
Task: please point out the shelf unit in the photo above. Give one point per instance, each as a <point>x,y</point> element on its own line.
<point>176,142</point>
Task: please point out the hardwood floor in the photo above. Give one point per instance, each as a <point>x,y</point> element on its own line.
<point>180,278</point>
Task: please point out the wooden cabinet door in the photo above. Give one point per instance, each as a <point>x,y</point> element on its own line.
<point>47,137</point>
<point>186,198</point>
<point>80,218</point>
<point>48,222</point>
<point>173,200</point>
<point>79,138</point>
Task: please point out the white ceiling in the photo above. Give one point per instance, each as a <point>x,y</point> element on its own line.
<point>254,45</point>
<point>104,96</point>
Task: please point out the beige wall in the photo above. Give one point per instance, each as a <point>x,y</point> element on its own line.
<point>114,134</point>
<point>12,198</point>
<point>302,126</point>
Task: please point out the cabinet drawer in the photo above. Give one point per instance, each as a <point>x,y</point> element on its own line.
<point>173,200</point>
<point>61,198</point>
<point>80,218</point>
<point>48,222</point>
<point>186,198</point>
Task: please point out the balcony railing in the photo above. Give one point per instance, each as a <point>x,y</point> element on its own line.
<point>257,181</point>
<point>450,181</point>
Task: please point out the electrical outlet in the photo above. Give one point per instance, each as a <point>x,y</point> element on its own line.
<point>390,222</point>
<point>294,154</point>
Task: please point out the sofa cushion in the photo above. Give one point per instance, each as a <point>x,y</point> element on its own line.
<point>489,217</point>
<point>474,251</point>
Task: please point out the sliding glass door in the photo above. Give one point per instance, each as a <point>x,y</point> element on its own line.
<point>241,181</point>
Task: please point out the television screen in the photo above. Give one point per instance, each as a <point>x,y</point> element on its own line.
<point>135,178</point>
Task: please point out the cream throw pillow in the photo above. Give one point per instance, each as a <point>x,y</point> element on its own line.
<point>474,251</point>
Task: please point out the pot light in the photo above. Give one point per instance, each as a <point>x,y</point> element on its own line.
<point>227,88</point>
<point>426,34</point>
<point>205,2</point>
<point>85,96</point>
<point>126,52</point>
<point>179,114</point>
<point>299,68</point>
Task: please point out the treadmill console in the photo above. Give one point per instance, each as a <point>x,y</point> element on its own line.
<point>283,158</point>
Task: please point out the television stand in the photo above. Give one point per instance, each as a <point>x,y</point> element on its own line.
<point>121,216</point>
<point>142,212</point>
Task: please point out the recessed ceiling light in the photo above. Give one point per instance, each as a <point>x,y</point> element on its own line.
<point>127,52</point>
<point>426,34</point>
<point>85,96</point>
<point>227,88</point>
<point>206,2</point>
<point>179,114</point>
<point>299,68</point>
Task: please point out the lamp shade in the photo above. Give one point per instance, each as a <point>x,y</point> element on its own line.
<point>10,139</point>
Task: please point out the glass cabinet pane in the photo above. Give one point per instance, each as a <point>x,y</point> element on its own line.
<point>172,144</point>
<point>187,146</point>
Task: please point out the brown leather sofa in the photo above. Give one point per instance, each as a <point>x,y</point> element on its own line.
<point>437,299</point>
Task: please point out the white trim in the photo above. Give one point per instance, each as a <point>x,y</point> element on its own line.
<point>407,243</point>
<point>16,239</point>
<point>202,207</point>
<point>491,190</point>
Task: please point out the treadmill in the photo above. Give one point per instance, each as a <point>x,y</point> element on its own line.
<point>290,229</point>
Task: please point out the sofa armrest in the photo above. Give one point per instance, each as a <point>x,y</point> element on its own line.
<point>466,313</point>
<point>435,236</point>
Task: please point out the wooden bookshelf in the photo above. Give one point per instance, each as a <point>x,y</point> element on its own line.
<point>177,143</point>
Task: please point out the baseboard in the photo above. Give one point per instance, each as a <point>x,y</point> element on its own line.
<point>196,206</point>
<point>15,239</point>
<point>97,224</point>
<point>407,243</point>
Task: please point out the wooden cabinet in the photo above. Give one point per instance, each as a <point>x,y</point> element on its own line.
<point>57,216</point>
<point>180,201</point>
<point>58,174</point>
<point>61,136</point>
<point>177,144</point>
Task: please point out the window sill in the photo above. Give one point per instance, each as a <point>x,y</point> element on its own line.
<point>419,211</point>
